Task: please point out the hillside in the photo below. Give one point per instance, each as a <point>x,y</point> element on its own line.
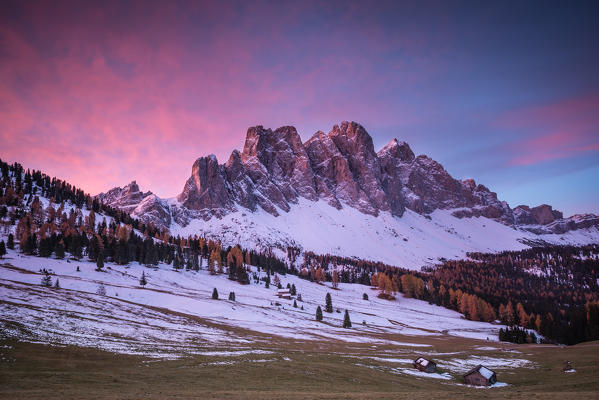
<point>80,229</point>
<point>155,340</point>
<point>175,312</point>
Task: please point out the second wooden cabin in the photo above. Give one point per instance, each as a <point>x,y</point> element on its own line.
<point>480,376</point>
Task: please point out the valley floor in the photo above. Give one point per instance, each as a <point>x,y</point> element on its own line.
<point>291,370</point>
<point>169,339</point>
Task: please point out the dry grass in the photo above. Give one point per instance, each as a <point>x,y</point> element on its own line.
<point>316,370</point>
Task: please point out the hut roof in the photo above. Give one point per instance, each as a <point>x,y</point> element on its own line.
<point>422,361</point>
<point>484,371</point>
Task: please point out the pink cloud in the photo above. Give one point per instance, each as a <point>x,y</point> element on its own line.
<point>550,147</point>
<point>563,129</point>
<point>75,116</point>
<point>102,97</point>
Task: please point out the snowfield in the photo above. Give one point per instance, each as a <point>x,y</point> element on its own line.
<point>174,314</point>
<point>410,241</point>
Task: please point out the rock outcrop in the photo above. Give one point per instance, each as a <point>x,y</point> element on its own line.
<point>125,198</point>
<point>540,215</point>
<point>275,170</point>
<point>147,207</point>
<point>207,191</point>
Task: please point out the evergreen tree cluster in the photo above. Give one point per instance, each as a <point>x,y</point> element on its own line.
<point>552,289</point>
<point>62,228</point>
<point>515,334</point>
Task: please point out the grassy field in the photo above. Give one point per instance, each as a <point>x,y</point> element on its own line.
<point>295,370</point>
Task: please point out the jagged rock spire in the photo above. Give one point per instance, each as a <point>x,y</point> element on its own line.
<point>275,171</point>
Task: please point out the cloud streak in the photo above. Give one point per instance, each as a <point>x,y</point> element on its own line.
<point>562,130</point>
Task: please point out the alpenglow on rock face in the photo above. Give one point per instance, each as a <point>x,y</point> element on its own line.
<point>275,169</point>
<point>342,168</point>
<point>148,207</point>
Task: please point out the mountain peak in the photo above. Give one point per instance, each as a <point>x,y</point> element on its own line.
<point>132,186</point>
<point>275,171</point>
<point>398,149</point>
<point>350,130</point>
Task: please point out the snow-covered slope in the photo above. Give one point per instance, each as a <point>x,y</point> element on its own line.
<point>175,313</point>
<point>410,241</point>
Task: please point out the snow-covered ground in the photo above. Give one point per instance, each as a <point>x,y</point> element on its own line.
<point>450,366</point>
<point>411,241</point>
<point>174,313</point>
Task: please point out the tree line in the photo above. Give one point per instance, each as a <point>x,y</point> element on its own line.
<point>551,289</point>
<point>72,223</point>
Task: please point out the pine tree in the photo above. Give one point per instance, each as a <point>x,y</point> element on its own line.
<point>11,242</point>
<point>46,280</point>
<point>335,279</point>
<point>346,320</point>
<point>142,281</point>
<point>365,296</point>
<point>319,275</point>
<point>509,314</point>
<point>100,262</point>
<point>2,248</point>
<point>293,290</point>
<point>57,284</point>
<point>232,296</point>
<point>232,269</point>
<point>329,305</point>
<point>242,276</point>
<point>294,304</point>
<point>215,294</point>
<point>521,316</point>
<point>59,249</point>
<point>538,322</point>
<point>319,314</point>
<point>28,244</point>
<point>45,249</point>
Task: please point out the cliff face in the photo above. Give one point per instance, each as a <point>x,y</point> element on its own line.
<point>275,169</point>
<point>341,168</point>
<point>148,207</point>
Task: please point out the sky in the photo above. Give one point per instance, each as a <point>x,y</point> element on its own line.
<point>103,93</point>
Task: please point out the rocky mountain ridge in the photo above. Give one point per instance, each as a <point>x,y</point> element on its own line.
<point>275,169</point>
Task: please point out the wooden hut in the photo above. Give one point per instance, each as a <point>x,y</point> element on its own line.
<point>480,376</point>
<point>422,364</point>
<point>284,294</point>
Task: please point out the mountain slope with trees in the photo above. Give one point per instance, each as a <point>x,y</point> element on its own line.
<point>551,289</point>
